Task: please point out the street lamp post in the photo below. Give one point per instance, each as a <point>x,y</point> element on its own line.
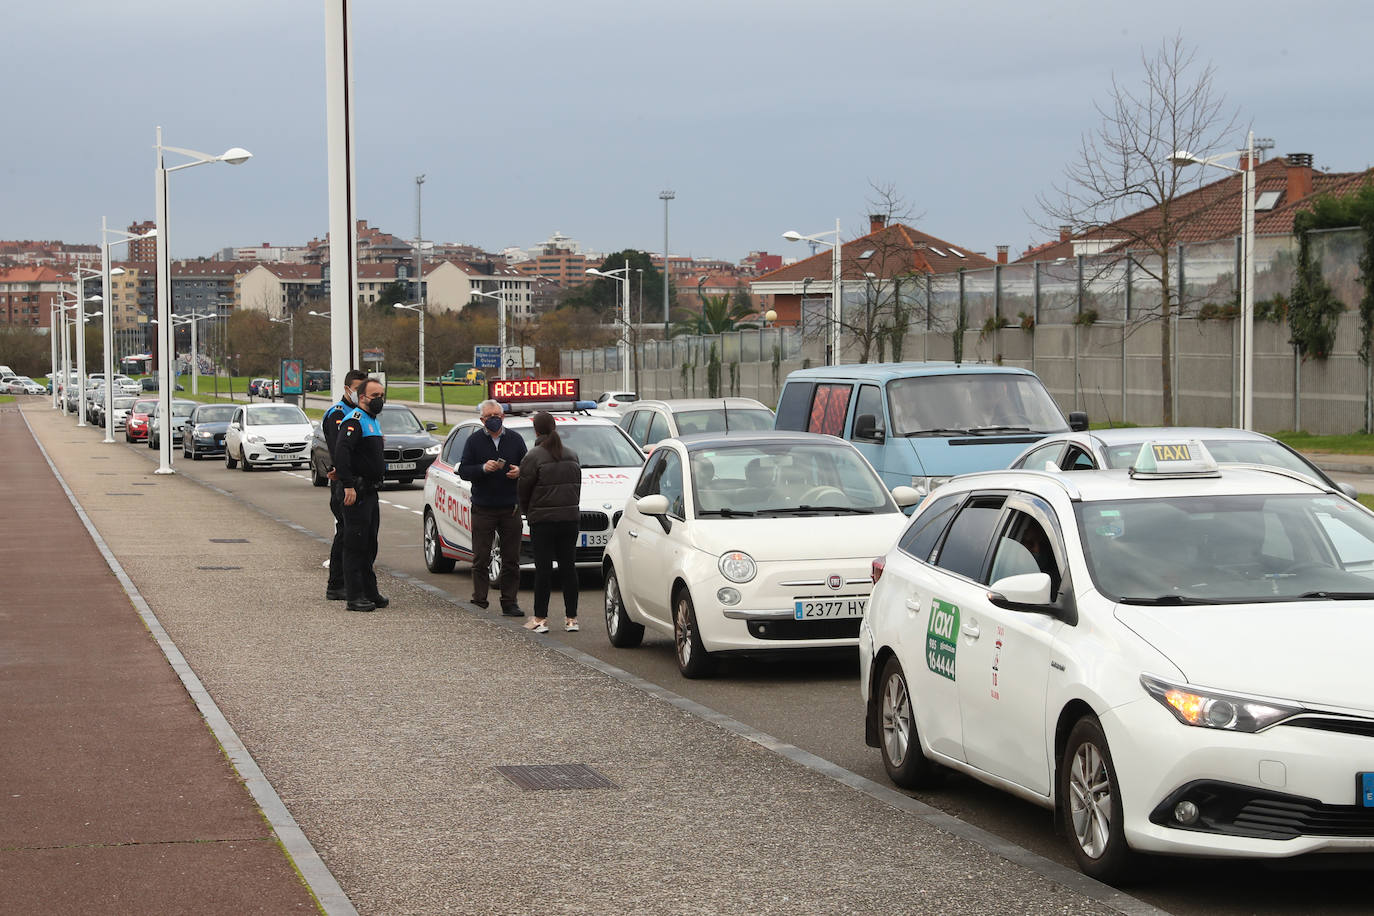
<point>233,156</point>
<point>665,196</point>
<point>81,274</point>
<point>622,274</point>
<point>54,311</point>
<point>1247,292</point>
<point>500,297</point>
<point>835,314</point>
<point>110,314</point>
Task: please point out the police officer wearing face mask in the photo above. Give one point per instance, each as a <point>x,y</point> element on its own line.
<point>359,467</point>
<point>491,461</point>
<point>329,427</point>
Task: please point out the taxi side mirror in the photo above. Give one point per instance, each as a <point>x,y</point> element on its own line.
<point>1030,593</point>
<point>906,496</point>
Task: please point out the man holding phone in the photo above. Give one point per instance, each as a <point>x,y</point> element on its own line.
<point>491,463</point>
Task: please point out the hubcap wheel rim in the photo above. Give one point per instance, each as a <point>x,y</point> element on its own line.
<point>429,539</point>
<point>684,633</point>
<point>1090,800</point>
<point>896,719</point>
<point>612,604</point>
<point>494,564</point>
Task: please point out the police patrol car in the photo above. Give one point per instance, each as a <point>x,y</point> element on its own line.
<point>610,465</point>
<point>1170,656</point>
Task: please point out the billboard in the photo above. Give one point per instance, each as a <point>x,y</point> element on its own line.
<point>293,376</point>
<point>532,390</point>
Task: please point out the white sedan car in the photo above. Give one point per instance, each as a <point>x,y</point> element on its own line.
<point>610,464</point>
<point>749,543</point>
<point>1171,657</point>
<point>263,435</point>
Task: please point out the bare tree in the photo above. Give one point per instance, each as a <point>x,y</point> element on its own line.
<point>890,276</point>
<point>1123,198</point>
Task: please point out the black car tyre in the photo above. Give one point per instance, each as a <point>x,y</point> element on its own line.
<point>905,762</point>
<point>1090,800</point>
<point>317,477</point>
<point>435,561</point>
<point>244,465</point>
<point>623,632</point>
<point>692,659</point>
<point>229,461</point>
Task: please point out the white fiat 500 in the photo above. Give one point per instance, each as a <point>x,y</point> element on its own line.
<point>610,464</point>
<point>262,435</point>
<point>1172,657</point>
<point>749,543</point>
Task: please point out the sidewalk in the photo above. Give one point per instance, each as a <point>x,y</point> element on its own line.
<point>382,733</point>
<point>116,797</point>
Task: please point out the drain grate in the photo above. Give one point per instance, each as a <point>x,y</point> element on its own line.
<point>219,567</point>
<point>556,776</point>
<point>228,540</point>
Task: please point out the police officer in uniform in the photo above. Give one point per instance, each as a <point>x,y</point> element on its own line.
<point>359,466</point>
<point>329,426</point>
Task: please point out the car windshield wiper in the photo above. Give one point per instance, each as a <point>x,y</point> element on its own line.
<point>1337,596</point>
<point>798,510</point>
<point>936,431</point>
<point>990,430</point>
<point>1165,600</point>
<point>726,513</point>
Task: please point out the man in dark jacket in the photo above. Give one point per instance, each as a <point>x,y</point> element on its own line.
<point>491,463</point>
<point>329,428</point>
<point>550,488</point>
<point>360,466</point>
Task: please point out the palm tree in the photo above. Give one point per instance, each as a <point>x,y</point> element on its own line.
<point>717,315</point>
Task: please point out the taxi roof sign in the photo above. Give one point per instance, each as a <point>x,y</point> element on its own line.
<point>1164,458</point>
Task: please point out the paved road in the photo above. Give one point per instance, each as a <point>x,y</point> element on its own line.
<point>815,705</point>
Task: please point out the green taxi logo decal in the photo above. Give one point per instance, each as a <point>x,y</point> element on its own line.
<point>942,638</point>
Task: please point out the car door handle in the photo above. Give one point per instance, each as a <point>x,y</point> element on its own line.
<point>971,631</point>
<point>633,534</point>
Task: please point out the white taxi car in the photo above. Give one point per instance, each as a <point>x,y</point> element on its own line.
<point>261,435</point>
<point>1170,656</point>
<point>610,464</point>
<point>749,542</point>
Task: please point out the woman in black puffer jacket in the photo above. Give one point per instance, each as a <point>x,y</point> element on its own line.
<point>550,487</point>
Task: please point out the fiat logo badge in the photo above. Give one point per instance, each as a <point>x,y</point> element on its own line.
<point>835,582</point>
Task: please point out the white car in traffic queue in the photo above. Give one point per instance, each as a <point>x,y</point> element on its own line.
<point>610,464</point>
<point>267,435</point>
<point>1169,657</point>
<point>749,543</point>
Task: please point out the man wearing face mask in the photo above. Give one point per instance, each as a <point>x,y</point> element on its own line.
<point>491,462</point>
<point>359,467</point>
<point>329,427</point>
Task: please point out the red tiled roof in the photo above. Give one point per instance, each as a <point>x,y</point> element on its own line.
<point>28,275</point>
<point>283,271</point>
<point>897,249</point>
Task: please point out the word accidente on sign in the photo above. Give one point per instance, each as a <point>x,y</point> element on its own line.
<point>518,390</point>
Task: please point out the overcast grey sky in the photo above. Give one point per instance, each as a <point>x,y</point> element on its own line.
<point>530,116</point>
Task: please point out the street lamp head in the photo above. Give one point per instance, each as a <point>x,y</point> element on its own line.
<point>95,298</point>
<point>792,235</point>
<point>117,272</point>
<point>235,156</point>
<point>770,316</point>
<point>1182,157</point>
<point>150,234</point>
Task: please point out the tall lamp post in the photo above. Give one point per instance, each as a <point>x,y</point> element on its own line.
<point>106,273</point>
<point>500,297</point>
<point>665,196</point>
<point>233,156</point>
<point>621,274</point>
<point>834,315</point>
<point>419,309</point>
<point>81,274</point>
<point>1247,292</point>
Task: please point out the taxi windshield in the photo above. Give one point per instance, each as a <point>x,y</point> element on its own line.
<point>279,415</point>
<point>1228,549</point>
<point>719,420</point>
<point>972,404</point>
<point>1224,451</point>
<point>788,478</point>
<point>596,446</point>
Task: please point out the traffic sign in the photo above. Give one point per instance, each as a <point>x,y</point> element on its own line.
<point>486,357</point>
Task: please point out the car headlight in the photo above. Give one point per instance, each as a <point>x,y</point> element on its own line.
<point>1212,709</point>
<point>434,449</point>
<point>738,566</point>
<point>204,434</point>
<point>256,440</point>
<point>926,484</point>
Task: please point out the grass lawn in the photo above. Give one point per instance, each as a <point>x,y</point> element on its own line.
<point>6,399</point>
<point>1349,444</point>
<point>459,395</point>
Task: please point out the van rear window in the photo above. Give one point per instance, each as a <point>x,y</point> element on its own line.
<point>828,409</point>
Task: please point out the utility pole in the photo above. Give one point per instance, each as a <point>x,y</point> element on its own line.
<point>665,196</point>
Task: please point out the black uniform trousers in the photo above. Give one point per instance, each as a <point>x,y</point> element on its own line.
<point>487,523</point>
<point>361,522</point>
<point>555,541</point>
<point>336,560</point>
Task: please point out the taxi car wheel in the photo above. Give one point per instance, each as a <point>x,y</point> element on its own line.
<point>623,632</point>
<point>905,762</point>
<point>435,561</point>
<point>692,658</point>
<point>1090,798</point>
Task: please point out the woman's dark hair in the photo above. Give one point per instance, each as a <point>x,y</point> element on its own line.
<point>547,431</point>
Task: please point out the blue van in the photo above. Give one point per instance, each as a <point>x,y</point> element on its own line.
<point>920,424</point>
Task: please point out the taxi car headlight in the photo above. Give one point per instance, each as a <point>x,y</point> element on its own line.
<point>1212,709</point>
<point>434,449</point>
<point>738,566</point>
